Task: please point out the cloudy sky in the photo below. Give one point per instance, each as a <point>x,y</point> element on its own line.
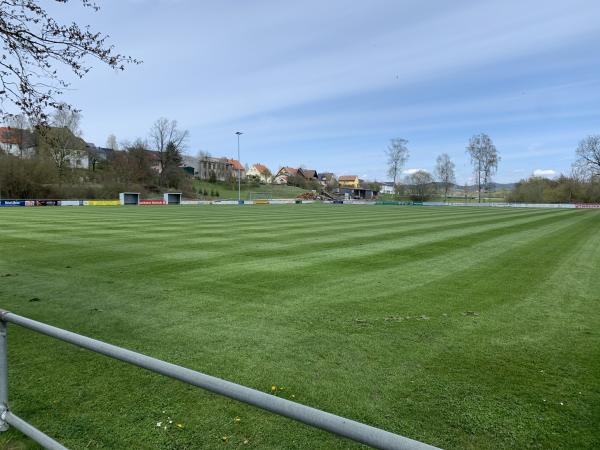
<point>326,84</point>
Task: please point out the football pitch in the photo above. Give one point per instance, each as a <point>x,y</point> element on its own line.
<point>466,328</point>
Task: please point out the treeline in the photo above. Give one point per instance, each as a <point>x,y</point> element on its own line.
<point>582,186</point>
<point>562,190</point>
<point>54,162</point>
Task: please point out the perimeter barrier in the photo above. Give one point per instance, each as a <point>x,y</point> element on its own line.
<point>341,426</point>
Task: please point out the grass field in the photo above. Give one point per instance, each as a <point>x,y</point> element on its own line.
<point>229,191</point>
<point>466,328</point>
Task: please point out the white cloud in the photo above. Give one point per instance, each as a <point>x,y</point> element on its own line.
<point>411,171</point>
<point>546,173</point>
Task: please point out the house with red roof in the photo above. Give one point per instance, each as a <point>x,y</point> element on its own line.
<point>282,175</point>
<point>237,168</point>
<point>259,171</point>
<point>16,141</point>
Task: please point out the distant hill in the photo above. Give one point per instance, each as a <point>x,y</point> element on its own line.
<point>494,186</point>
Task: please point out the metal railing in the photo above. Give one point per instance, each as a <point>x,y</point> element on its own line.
<point>341,426</point>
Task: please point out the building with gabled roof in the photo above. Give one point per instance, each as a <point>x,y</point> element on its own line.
<point>259,171</point>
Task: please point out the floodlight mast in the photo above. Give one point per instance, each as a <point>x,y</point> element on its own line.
<point>239,133</point>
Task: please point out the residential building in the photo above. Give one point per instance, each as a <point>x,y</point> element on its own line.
<point>282,175</point>
<point>309,174</point>
<point>237,168</point>
<point>349,181</point>
<point>98,155</point>
<point>327,179</point>
<point>210,167</point>
<point>64,145</point>
<point>17,141</point>
<point>387,187</point>
<point>191,165</point>
<point>259,171</point>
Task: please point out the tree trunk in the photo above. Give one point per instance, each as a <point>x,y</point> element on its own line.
<point>479,183</point>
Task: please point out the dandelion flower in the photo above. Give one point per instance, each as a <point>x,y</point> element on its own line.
<point>237,419</point>
<point>273,388</point>
<point>180,426</point>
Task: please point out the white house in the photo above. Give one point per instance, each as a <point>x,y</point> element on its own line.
<point>387,188</point>
<point>259,171</point>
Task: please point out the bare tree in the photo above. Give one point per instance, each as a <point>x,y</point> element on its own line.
<point>397,154</point>
<point>62,140</point>
<point>420,185</point>
<point>444,171</point>
<point>111,142</point>
<point>167,139</point>
<point>484,158</point>
<point>36,49</point>
<point>588,157</point>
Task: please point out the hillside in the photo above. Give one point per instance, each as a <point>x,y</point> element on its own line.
<point>228,191</point>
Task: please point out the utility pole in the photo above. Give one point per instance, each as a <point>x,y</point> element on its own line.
<point>239,133</point>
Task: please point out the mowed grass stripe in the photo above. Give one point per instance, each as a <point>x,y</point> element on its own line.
<point>224,309</point>
<point>140,239</point>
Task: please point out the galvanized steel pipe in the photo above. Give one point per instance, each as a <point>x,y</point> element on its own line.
<point>29,430</point>
<point>351,429</point>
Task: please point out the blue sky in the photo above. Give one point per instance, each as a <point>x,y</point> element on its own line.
<point>326,84</point>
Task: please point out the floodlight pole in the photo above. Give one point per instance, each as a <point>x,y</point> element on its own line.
<point>239,133</point>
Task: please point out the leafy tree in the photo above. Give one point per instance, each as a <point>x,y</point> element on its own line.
<point>36,50</point>
<point>484,158</point>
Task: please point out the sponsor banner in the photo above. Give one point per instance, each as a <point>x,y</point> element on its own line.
<point>47,203</point>
<point>224,202</point>
<point>259,202</point>
<point>13,203</point>
<point>514,205</point>
<point>101,203</point>
<point>71,202</point>
<point>152,202</point>
<point>585,205</point>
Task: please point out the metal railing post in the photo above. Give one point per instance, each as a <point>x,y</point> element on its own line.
<point>3,376</point>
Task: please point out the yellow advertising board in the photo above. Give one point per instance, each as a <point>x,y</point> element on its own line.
<point>102,203</point>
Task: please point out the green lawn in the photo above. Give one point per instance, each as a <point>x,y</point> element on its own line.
<point>229,191</point>
<point>467,328</point>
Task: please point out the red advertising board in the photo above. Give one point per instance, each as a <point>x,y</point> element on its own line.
<point>152,202</point>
